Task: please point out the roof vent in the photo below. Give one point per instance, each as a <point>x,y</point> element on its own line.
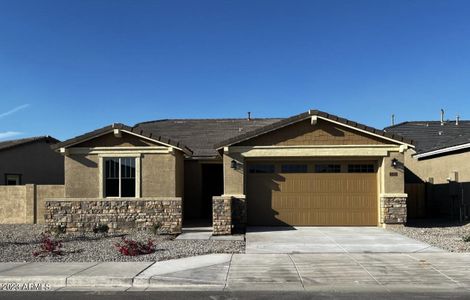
<point>393,119</point>
<point>249,116</point>
<point>442,117</point>
<point>440,133</point>
<point>457,120</point>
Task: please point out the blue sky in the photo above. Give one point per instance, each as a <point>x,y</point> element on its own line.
<point>68,67</point>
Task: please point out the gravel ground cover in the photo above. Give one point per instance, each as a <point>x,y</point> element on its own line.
<point>443,234</point>
<point>18,242</point>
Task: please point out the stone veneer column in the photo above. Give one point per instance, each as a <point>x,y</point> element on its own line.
<point>222,215</point>
<point>393,209</point>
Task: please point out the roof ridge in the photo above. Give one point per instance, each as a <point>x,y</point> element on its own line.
<point>27,138</point>
<point>205,119</point>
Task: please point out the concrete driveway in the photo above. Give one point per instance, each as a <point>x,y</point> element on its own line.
<point>331,240</point>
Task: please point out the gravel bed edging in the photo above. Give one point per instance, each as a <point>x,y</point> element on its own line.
<point>443,234</point>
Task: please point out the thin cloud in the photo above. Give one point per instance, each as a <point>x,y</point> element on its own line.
<point>14,110</point>
<point>8,134</point>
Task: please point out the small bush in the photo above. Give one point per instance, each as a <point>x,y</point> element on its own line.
<point>466,239</point>
<point>102,228</point>
<point>59,229</point>
<point>130,247</point>
<point>155,229</point>
<point>49,246</point>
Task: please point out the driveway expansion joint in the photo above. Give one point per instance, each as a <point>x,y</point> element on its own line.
<point>298,272</point>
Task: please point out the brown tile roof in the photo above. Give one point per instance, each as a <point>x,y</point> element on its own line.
<point>19,142</point>
<point>200,135</point>
<point>431,135</point>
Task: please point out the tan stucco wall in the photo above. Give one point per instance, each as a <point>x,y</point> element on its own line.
<point>44,192</point>
<point>24,204</point>
<point>36,162</point>
<point>440,168</point>
<point>234,179</point>
<point>159,175</point>
<point>82,176</point>
<point>322,133</point>
<point>392,184</point>
<point>162,174</point>
<point>13,204</point>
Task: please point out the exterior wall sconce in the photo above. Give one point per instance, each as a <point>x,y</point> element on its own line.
<point>233,164</point>
<point>394,162</point>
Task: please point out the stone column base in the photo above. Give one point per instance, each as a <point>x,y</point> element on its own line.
<point>228,214</point>
<point>393,208</point>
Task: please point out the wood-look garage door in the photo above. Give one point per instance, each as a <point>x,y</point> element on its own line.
<point>330,199</point>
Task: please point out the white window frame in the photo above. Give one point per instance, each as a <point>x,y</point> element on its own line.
<point>102,184</point>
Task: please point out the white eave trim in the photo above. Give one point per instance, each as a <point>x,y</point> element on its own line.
<point>63,150</point>
<point>443,150</point>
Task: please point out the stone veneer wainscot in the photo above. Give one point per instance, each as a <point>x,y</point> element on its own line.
<point>119,214</point>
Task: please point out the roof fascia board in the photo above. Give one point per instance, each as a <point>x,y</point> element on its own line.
<point>156,141</point>
<point>441,151</point>
<point>111,130</point>
<point>86,139</point>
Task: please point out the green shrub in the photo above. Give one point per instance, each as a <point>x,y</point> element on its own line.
<point>102,228</point>
<point>155,229</point>
<point>59,229</point>
<point>466,239</point>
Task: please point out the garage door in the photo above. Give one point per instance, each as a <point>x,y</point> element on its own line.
<point>311,194</point>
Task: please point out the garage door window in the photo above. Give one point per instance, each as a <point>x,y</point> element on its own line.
<point>361,168</point>
<point>261,168</point>
<point>328,168</point>
<point>294,168</point>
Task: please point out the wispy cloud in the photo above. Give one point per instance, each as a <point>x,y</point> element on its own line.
<point>8,134</point>
<point>14,110</point>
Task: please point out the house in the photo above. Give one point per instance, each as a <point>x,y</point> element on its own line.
<point>310,169</point>
<point>439,163</point>
<point>30,161</point>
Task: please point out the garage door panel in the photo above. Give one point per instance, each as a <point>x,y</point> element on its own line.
<point>312,199</point>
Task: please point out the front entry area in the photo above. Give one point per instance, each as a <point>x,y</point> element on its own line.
<point>312,193</point>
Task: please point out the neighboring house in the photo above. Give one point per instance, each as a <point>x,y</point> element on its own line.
<point>30,160</point>
<point>310,169</point>
<point>441,161</point>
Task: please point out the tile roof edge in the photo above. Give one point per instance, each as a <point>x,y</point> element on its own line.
<point>103,130</point>
<point>25,141</point>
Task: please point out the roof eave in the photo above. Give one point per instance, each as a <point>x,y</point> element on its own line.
<point>130,130</point>
<point>442,151</point>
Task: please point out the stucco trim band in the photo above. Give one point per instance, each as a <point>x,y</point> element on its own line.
<point>315,151</point>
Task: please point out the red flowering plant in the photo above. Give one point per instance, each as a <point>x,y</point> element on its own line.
<point>130,247</point>
<point>48,246</point>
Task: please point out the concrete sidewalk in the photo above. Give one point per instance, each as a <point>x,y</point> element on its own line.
<point>342,271</point>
